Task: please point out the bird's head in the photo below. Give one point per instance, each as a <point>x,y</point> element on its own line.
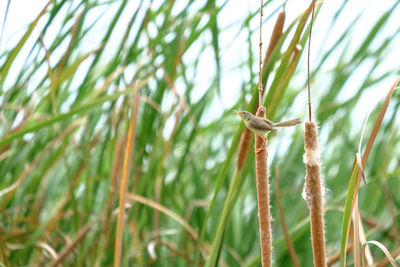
<point>245,115</point>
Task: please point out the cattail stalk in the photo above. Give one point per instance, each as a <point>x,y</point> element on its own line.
<point>313,193</point>
<point>245,139</point>
<point>264,214</point>
<point>260,88</point>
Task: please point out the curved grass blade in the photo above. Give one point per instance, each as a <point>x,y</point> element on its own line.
<point>355,177</point>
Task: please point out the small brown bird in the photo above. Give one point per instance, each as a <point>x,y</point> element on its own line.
<point>261,126</point>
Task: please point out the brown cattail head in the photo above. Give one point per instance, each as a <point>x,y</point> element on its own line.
<point>276,35</point>
<point>245,141</point>
<point>311,156</point>
<point>313,193</point>
<point>264,213</point>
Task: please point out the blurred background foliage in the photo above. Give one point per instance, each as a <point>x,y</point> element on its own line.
<point>67,81</point>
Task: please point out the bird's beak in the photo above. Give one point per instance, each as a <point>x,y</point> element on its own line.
<point>238,112</point>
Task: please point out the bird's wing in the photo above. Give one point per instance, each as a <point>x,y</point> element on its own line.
<point>268,121</point>
<point>261,124</point>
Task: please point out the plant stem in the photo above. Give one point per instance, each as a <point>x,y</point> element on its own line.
<point>308,62</point>
<point>260,89</point>
<point>124,183</point>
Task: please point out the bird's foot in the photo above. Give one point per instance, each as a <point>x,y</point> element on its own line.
<point>259,150</point>
<point>262,147</point>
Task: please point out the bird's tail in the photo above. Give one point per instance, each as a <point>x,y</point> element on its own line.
<point>287,123</point>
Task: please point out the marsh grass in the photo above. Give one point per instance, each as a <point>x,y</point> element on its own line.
<point>65,110</point>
